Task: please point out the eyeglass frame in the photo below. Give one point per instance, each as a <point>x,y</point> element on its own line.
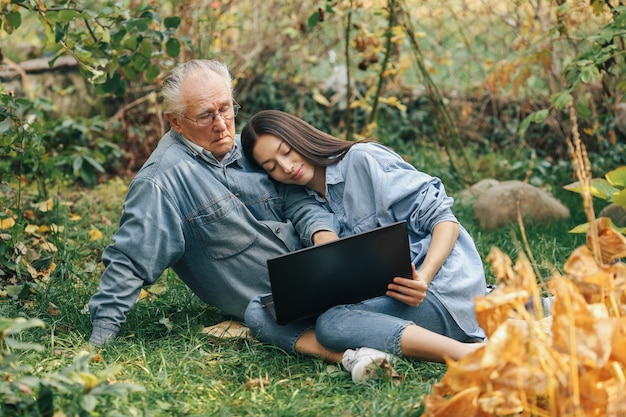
<point>235,108</point>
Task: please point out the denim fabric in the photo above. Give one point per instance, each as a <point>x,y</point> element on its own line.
<point>214,222</point>
<point>377,323</point>
<point>373,186</point>
<point>264,328</point>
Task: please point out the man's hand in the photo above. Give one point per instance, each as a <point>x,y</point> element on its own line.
<point>408,291</point>
<point>324,236</point>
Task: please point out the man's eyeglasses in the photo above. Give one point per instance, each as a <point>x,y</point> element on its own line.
<point>226,113</point>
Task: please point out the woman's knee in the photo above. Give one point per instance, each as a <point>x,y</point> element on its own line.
<point>254,316</point>
<point>328,329</point>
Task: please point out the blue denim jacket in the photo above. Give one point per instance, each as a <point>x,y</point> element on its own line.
<point>214,222</point>
<point>373,186</point>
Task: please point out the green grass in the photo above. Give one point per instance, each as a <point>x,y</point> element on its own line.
<point>187,373</point>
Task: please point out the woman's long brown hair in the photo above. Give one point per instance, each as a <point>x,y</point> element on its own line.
<point>318,147</point>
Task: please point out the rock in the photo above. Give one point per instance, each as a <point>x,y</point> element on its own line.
<point>469,195</point>
<point>616,213</point>
<point>498,205</point>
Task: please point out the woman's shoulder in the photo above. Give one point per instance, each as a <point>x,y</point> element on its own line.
<point>373,152</point>
<point>372,148</point>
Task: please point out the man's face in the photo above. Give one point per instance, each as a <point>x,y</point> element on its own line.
<point>202,98</point>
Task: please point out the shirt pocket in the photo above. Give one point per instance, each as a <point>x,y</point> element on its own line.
<point>268,206</point>
<point>224,228</point>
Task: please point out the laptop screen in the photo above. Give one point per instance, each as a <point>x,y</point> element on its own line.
<point>309,281</point>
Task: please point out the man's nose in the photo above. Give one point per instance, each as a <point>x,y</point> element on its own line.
<point>219,123</point>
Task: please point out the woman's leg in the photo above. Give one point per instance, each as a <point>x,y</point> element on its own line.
<point>298,337</point>
<point>386,324</point>
<point>419,343</point>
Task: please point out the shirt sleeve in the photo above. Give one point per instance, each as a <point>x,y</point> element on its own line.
<point>306,213</point>
<point>400,192</point>
<point>149,239</point>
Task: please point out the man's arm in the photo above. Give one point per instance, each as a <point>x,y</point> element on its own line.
<point>148,240</point>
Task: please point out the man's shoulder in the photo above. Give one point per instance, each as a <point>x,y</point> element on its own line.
<point>168,153</point>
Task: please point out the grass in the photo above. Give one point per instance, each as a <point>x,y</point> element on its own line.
<point>187,373</point>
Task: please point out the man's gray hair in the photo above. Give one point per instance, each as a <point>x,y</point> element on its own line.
<point>196,68</point>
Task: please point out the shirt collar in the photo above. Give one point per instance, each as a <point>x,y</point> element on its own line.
<point>334,174</point>
<point>232,156</point>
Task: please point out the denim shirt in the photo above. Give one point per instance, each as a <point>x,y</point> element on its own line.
<point>214,222</point>
<point>373,186</point>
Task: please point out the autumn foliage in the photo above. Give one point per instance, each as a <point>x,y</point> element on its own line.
<point>570,363</point>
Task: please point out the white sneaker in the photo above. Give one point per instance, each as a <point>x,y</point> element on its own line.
<point>364,363</point>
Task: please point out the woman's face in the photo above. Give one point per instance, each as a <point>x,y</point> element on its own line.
<point>283,163</point>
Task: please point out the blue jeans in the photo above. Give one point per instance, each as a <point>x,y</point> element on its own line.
<point>377,323</point>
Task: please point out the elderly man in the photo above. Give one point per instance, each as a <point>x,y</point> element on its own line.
<point>199,207</point>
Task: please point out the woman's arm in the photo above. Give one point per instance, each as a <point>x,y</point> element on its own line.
<point>413,291</point>
<point>444,237</point>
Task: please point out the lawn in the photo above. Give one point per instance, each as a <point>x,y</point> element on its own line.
<point>177,370</point>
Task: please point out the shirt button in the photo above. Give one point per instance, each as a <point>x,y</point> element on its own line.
<point>277,230</point>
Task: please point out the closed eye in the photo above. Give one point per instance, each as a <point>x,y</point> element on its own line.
<point>205,116</point>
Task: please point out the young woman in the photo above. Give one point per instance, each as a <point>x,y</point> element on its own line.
<point>367,185</point>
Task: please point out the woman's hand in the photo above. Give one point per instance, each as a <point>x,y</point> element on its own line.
<point>324,236</point>
<point>408,291</point>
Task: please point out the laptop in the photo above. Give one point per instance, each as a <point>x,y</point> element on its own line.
<point>309,281</point>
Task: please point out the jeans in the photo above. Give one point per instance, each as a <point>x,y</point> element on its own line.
<point>376,323</point>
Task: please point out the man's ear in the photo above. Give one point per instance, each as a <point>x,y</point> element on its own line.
<point>174,121</point>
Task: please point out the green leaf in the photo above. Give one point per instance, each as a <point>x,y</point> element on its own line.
<point>540,116</point>
<point>172,47</point>
<point>581,228</point>
<point>12,326</point>
<point>536,117</point>
<point>117,36</point>
<point>562,100</point>
<point>94,163</point>
<point>617,177</point>
<point>112,84</point>
<point>45,404</point>
<point>152,72</point>
<point>525,125</point>
<point>139,25</point>
<point>145,48</point>
<point>172,22</point>
<point>313,19</point>
<point>139,62</point>
<point>65,15</point>
<point>14,19</point>
<point>600,188</point>
<point>88,403</point>
<point>619,198</point>
<point>16,344</point>
<point>59,32</point>
<point>18,291</point>
<point>130,43</point>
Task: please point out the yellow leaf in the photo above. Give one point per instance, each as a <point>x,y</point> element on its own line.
<point>319,98</point>
<point>49,247</point>
<point>89,381</point>
<point>56,228</point>
<point>143,294</point>
<point>75,217</point>
<point>31,229</point>
<point>44,228</point>
<point>7,223</point>
<point>95,234</point>
<point>45,206</point>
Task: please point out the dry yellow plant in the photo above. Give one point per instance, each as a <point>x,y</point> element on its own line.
<point>570,363</point>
